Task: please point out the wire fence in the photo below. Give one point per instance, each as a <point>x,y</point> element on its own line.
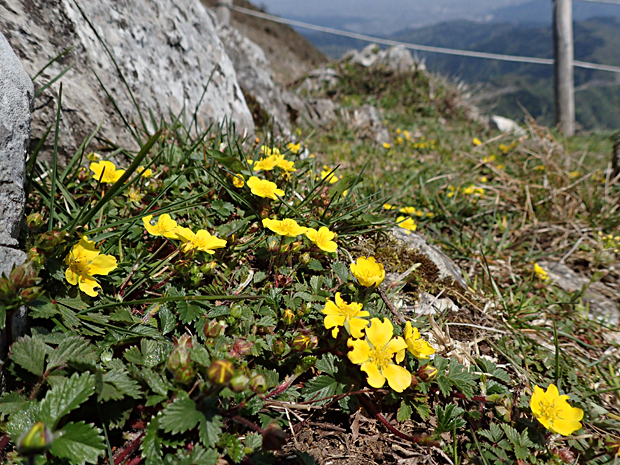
<point>427,48</point>
<point>609,2</point>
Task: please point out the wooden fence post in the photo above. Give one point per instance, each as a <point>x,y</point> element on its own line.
<point>563,64</point>
<point>222,11</point>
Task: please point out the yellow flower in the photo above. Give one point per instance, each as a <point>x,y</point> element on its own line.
<point>540,272</point>
<point>375,354</point>
<point>295,148</point>
<point>332,178</point>
<point>238,180</point>
<point>264,150</point>
<point>554,412</point>
<point>574,174</point>
<point>388,206</point>
<point>477,141</point>
<point>145,173</point>
<point>349,316</point>
<point>323,238</point>
<point>418,347</point>
<point>387,145</point>
<point>368,272</point>
<point>134,195</point>
<point>106,172</point>
<point>411,211</point>
<point>285,165</point>
<point>474,191</point>
<point>286,227</point>
<point>165,226</point>
<point>83,262</point>
<point>264,188</point>
<point>265,164</point>
<point>407,223</point>
<point>540,168</point>
<point>489,159</point>
<point>202,240</point>
<point>452,190</point>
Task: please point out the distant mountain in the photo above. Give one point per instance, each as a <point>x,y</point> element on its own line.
<point>505,85</point>
<point>540,11</point>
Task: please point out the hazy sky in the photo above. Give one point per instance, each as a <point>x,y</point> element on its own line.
<point>385,15</point>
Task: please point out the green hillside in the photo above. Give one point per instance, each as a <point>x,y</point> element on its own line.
<point>508,86</point>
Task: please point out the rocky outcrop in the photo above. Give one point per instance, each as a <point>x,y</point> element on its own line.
<point>254,77</point>
<point>367,121</point>
<point>167,51</point>
<point>397,59</point>
<point>16,94</point>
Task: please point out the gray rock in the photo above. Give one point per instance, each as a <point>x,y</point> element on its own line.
<point>507,125</point>
<point>167,50</point>
<point>397,59</point>
<point>319,79</point>
<point>16,94</point>
<point>367,119</point>
<point>601,300</point>
<point>447,268</point>
<point>322,111</point>
<point>254,76</point>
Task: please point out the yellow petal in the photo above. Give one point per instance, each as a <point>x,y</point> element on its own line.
<point>360,352</point>
<point>333,320</point>
<point>103,264</point>
<point>357,326</point>
<point>379,334</point>
<point>400,356</point>
<point>375,378</point>
<point>331,308</point>
<point>88,284</point>
<point>185,234</point>
<point>396,345</point>
<point>72,278</point>
<point>398,377</point>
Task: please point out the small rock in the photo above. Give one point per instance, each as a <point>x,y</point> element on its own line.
<point>397,59</point>
<point>602,308</point>
<point>323,111</point>
<point>429,304</point>
<point>319,79</point>
<point>368,119</point>
<point>507,125</point>
<point>447,268</point>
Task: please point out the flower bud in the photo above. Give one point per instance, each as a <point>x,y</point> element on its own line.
<point>239,383</point>
<point>288,317</point>
<point>273,437</point>
<point>305,258</point>
<point>303,342</point>
<point>24,275</point>
<point>220,371</point>
<point>258,384</point>
<point>305,364</point>
<point>36,440</point>
<point>241,347</point>
<point>236,310</point>
<point>185,374</point>
<point>296,246</point>
<point>51,239</point>
<point>427,373</point>
<point>279,347</point>
<point>185,341</point>
<point>30,294</point>
<point>35,220</point>
<point>207,268</point>
<point>212,329</point>
<point>7,289</point>
<point>273,245</point>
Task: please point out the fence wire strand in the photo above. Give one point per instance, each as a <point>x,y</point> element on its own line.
<point>423,48</point>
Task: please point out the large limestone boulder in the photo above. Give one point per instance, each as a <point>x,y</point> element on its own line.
<point>167,51</point>
<point>254,76</point>
<point>396,59</point>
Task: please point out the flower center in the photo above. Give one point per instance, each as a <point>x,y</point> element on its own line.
<point>550,411</point>
<point>80,267</point>
<point>381,357</point>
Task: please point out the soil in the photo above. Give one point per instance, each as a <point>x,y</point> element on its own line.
<point>291,56</point>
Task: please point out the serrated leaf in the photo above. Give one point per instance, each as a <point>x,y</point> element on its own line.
<point>153,352</point>
<point>320,387</point>
<point>315,283</point>
<point>65,397</point>
<point>29,353</point>
<point>444,385</point>
<point>22,420</point>
<point>155,381</point>
<point>133,355</point>
<point>188,311</point>
<point>341,270</point>
<point>404,411</point>
<point>267,321</point>
<point>12,402</point>
<point>254,441</point>
<point>202,456</point>
<point>167,319</point>
<point>210,429</point>
<point>180,416</point>
<point>461,378</point>
<point>79,443</point>
<point>423,410</point>
<point>315,265</point>
<point>121,380</point>
<point>327,364</point>
<point>201,356</point>
<point>74,348</point>
<point>151,445</point>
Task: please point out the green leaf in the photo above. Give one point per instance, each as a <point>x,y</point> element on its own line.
<point>65,397</point>
<point>12,402</point>
<point>120,379</point>
<point>188,311</point>
<point>72,348</point>
<point>167,319</point>
<point>341,270</point>
<point>22,420</point>
<point>151,445</point>
<point>133,355</point>
<point>209,429</point>
<point>29,353</point>
<point>404,411</point>
<point>254,441</point>
<point>79,443</point>
<point>315,265</point>
<point>180,416</point>
<point>200,355</point>
<point>155,381</point>
<point>232,447</point>
<point>423,410</point>
<point>461,378</point>
<point>202,456</point>
<point>320,387</point>
<point>327,364</point>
